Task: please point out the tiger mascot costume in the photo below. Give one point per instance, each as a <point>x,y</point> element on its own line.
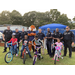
<point>31,34</point>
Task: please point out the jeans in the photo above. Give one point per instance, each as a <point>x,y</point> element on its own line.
<point>26,49</point>
<point>14,47</point>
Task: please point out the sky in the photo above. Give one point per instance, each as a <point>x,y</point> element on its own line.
<point>70,12</point>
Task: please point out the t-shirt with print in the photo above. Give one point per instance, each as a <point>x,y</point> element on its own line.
<point>25,42</point>
<point>59,44</point>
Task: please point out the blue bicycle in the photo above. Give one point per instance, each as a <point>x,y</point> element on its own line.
<point>9,56</point>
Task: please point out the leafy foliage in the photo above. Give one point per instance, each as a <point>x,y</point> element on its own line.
<point>35,18</point>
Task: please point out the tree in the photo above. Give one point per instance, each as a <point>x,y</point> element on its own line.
<point>54,14</point>
<point>74,18</point>
<point>29,18</point>
<point>16,18</point>
<point>5,17</point>
<point>63,19</point>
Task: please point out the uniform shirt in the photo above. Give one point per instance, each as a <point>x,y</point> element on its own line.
<point>8,34</point>
<point>57,35</point>
<point>23,34</point>
<point>68,36</point>
<point>37,42</point>
<point>40,36</point>
<point>49,34</point>
<point>25,42</point>
<point>18,34</point>
<point>31,37</point>
<point>13,40</point>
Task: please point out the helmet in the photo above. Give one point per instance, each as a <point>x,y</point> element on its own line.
<point>14,34</point>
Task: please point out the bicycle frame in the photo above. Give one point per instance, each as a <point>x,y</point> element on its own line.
<point>10,44</point>
<point>36,53</point>
<point>24,51</point>
<point>57,53</point>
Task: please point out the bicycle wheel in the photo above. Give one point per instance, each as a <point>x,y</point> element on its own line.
<point>24,59</point>
<point>55,60</point>
<point>8,57</point>
<point>34,60</point>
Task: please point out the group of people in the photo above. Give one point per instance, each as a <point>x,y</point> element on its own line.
<point>66,39</point>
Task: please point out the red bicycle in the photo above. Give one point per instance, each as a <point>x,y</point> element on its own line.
<point>24,55</point>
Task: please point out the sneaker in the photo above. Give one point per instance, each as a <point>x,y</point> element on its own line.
<point>4,51</point>
<point>52,58</point>
<point>30,56</point>
<point>57,60</point>
<point>16,54</point>
<point>41,57</point>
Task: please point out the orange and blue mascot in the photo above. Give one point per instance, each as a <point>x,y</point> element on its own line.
<point>31,34</point>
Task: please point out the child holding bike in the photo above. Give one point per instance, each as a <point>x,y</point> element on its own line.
<point>13,40</point>
<point>59,45</point>
<point>25,43</point>
<point>37,43</point>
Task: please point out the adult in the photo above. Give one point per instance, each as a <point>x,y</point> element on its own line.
<point>7,34</point>
<point>68,38</point>
<point>18,36</point>
<point>23,33</point>
<point>49,41</point>
<point>56,35</point>
<point>41,37</point>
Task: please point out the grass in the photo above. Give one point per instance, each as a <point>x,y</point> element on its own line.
<point>46,61</point>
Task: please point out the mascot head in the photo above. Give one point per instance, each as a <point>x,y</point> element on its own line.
<point>32,28</point>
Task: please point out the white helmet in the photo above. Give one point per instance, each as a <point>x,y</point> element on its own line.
<point>14,34</point>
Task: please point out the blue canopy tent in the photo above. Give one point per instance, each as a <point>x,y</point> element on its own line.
<point>52,27</point>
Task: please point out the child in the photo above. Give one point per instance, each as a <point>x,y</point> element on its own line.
<point>14,43</point>
<point>60,45</point>
<point>37,42</point>
<point>25,43</point>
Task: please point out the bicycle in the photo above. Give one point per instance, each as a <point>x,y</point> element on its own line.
<point>36,54</point>
<point>9,56</point>
<point>24,55</point>
<point>57,54</point>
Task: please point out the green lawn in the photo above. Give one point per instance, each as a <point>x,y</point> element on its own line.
<point>46,61</point>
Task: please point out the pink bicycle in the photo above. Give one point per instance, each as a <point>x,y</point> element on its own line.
<point>57,54</point>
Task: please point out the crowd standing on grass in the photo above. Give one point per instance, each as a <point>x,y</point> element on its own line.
<point>28,39</point>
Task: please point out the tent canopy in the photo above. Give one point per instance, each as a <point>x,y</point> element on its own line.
<point>53,26</point>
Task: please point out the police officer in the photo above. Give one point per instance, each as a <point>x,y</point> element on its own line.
<point>23,33</point>
<point>56,35</point>
<point>49,41</point>
<point>41,37</point>
<point>18,36</point>
<point>68,38</point>
<point>7,34</point>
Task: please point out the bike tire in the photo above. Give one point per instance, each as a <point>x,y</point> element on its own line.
<point>8,57</point>
<point>34,60</point>
<point>24,59</point>
<point>55,60</point>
